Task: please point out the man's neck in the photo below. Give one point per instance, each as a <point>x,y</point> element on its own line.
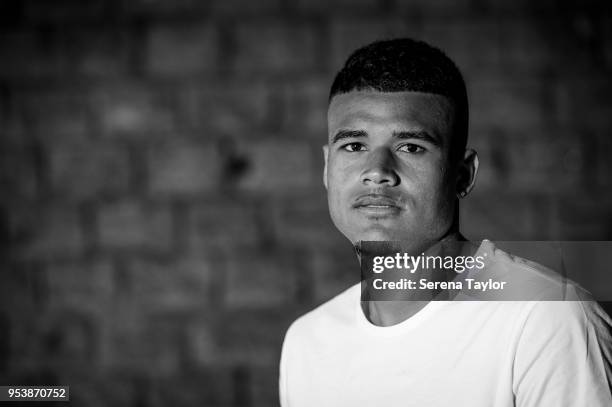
<point>388,313</point>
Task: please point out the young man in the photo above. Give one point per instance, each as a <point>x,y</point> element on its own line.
<point>395,168</point>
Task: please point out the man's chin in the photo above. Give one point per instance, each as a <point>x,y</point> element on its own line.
<point>379,235</point>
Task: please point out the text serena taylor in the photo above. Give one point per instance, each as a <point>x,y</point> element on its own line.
<point>425,284</point>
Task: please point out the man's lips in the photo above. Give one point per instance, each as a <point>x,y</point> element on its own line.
<point>376,201</point>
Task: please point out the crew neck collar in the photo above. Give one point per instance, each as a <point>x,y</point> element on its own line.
<point>413,321</point>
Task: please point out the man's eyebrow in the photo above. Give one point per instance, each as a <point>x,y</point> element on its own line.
<point>419,135</point>
<point>342,134</point>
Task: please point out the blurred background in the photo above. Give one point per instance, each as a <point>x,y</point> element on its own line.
<point>162,212</point>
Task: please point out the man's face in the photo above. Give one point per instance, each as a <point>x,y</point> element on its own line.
<point>388,169</point>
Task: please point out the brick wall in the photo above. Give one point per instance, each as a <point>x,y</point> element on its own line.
<point>162,209</point>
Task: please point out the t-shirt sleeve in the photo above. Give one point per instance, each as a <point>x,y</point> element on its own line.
<point>563,356</point>
<point>282,377</point>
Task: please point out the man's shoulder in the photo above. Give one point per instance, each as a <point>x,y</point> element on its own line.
<point>582,317</point>
<point>528,279</point>
<point>556,302</point>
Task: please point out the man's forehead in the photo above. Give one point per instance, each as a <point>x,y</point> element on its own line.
<point>361,107</point>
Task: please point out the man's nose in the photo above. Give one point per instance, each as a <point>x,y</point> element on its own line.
<point>380,168</point>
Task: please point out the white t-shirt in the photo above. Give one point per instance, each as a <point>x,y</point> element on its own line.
<point>494,353</point>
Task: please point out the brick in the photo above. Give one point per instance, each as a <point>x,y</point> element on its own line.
<point>526,45</point>
<point>238,108</point>
<point>98,53</point>
<point>349,35</point>
<point>274,48</point>
<point>546,164</point>
<point>473,44</point>
<point>514,108</point>
<point>46,232</point>
<point>170,285</point>
<point>79,285</point>
<point>210,386</point>
<point>202,346</point>
<point>23,287</point>
<point>189,8</point>
<point>90,387</point>
<point>578,35</point>
<point>132,225</point>
<point>305,107</point>
<point>185,49</point>
<point>12,126</point>
<point>53,113</point>
<point>29,54</point>
<point>256,280</point>
<point>432,9</point>
<point>520,7</point>
<point>164,8</point>
<point>338,5</point>
<point>489,214</point>
<point>606,24</point>
<point>122,336</point>
<point>221,225</point>
<point>602,165</point>
<point>176,169</point>
<point>533,162</point>
<point>88,170</point>
<point>242,338</point>
<point>133,110</point>
<point>145,344</point>
<point>264,385</point>
<point>6,326</point>
<point>68,338</point>
<point>66,10</point>
<point>18,174</point>
<point>304,220</point>
<point>241,7</point>
<point>278,166</point>
<point>334,270</point>
<point>589,218</point>
<point>25,347</point>
<point>562,104</point>
<point>63,50</point>
<point>253,337</point>
<point>585,103</point>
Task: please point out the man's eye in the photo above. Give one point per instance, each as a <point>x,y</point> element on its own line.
<point>411,148</point>
<point>354,147</point>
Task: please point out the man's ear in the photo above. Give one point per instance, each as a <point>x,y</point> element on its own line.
<point>325,154</point>
<point>467,171</point>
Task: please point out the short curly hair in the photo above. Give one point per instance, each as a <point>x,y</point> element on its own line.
<point>406,64</point>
